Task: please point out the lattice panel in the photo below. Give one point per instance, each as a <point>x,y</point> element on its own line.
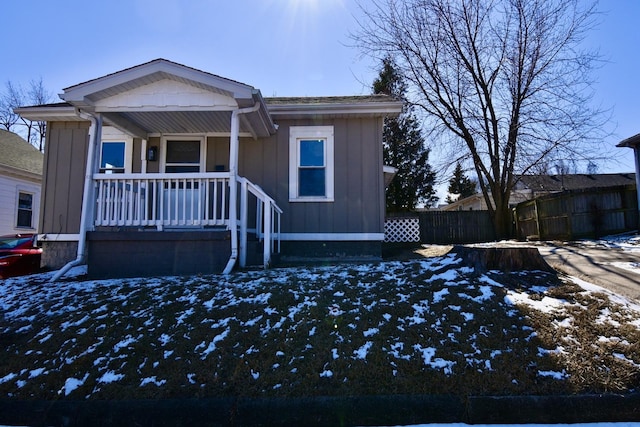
<point>402,230</point>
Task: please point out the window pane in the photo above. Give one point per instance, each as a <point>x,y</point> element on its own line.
<point>25,201</point>
<point>312,152</point>
<point>24,218</point>
<point>25,206</point>
<point>182,169</point>
<point>311,182</point>
<point>112,155</point>
<point>183,152</point>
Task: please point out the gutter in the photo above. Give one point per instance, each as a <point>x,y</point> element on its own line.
<point>94,138</point>
<point>233,182</point>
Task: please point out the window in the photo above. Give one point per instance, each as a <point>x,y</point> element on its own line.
<point>116,151</point>
<point>183,156</point>
<point>311,163</point>
<point>25,210</point>
<point>112,157</point>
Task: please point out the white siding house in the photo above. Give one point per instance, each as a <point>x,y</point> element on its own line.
<point>20,183</point>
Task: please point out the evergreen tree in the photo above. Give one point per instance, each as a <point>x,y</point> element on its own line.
<point>404,149</point>
<point>460,184</point>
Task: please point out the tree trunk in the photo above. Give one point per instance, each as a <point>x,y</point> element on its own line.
<point>502,259</point>
<point>503,222</point>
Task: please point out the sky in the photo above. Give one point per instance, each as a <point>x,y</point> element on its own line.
<point>282,47</point>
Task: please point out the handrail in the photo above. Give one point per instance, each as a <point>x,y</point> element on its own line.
<point>156,176</point>
<point>266,212</point>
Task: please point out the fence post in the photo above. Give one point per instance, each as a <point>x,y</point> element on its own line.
<point>535,211</point>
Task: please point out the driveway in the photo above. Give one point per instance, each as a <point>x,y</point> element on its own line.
<point>600,265</point>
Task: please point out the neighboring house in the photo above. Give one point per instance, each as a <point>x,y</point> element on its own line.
<point>475,202</point>
<point>529,187</point>
<point>634,143</point>
<point>165,169</point>
<point>20,182</point>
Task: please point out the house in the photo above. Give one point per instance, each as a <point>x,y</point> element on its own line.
<point>165,169</point>
<point>634,143</point>
<point>475,202</point>
<point>20,181</point>
<point>528,187</point>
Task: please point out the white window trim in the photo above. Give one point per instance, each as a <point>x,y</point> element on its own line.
<point>163,149</point>
<point>296,133</point>
<point>110,134</point>
<point>33,209</point>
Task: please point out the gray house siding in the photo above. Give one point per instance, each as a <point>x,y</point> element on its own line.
<point>358,205</point>
<point>64,166</point>
<point>63,180</point>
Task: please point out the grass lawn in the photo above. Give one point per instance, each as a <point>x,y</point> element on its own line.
<point>418,326</point>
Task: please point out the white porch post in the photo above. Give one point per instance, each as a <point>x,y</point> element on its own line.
<point>143,157</point>
<point>87,219</point>
<point>233,189</point>
<point>234,143</point>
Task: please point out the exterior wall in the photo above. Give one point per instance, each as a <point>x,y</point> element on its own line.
<point>154,167</point>
<point>354,219</point>
<point>135,253</point>
<point>9,188</point>
<point>218,153</point>
<point>64,167</point>
<point>358,206</point>
<point>61,201</point>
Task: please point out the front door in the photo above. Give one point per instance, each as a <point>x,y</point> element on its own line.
<point>183,197</point>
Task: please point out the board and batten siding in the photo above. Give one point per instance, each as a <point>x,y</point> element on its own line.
<point>358,205</point>
<point>64,168</point>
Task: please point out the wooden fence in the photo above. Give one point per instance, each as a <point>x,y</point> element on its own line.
<point>578,213</point>
<point>440,227</point>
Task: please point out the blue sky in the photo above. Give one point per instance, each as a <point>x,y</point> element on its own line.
<point>282,47</point>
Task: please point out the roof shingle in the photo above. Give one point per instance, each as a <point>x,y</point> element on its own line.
<point>17,153</point>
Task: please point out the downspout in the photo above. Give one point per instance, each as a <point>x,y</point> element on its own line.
<point>94,138</point>
<point>233,174</point>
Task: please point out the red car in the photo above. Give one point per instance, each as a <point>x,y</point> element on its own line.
<point>19,255</point>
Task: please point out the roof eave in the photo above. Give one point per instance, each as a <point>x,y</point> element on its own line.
<point>78,94</point>
<point>49,113</point>
<point>632,142</point>
<point>20,173</point>
<point>374,109</point>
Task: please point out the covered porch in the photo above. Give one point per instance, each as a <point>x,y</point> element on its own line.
<point>164,115</point>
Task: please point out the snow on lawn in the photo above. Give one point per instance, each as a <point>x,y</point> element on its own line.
<point>421,326</point>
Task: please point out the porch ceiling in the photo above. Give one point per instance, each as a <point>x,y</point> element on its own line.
<point>148,122</point>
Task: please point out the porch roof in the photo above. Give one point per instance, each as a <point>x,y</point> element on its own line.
<point>161,96</point>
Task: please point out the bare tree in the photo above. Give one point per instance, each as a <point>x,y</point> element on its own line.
<point>505,79</point>
<point>13,97</point>
<point>39,95</point>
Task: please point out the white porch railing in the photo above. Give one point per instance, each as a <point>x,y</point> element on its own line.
<point>267,220</point>
<point>187,200</point>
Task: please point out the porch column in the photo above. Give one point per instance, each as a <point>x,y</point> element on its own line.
<point>234,143</point>
<point>87,219</point>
